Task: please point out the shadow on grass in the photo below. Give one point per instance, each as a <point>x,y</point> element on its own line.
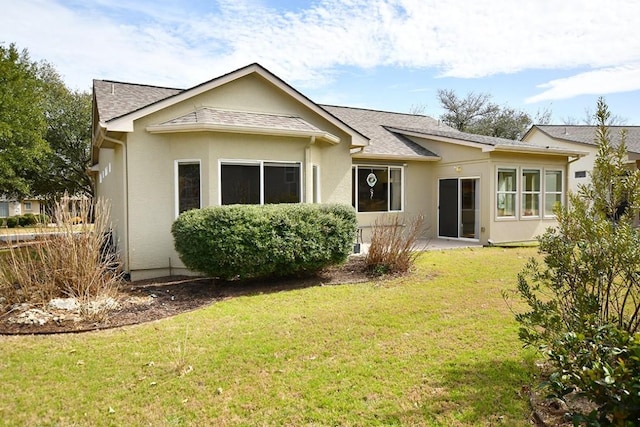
<point>477,393</point>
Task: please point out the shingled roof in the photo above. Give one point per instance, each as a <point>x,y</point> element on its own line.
<point>115,99</point>
<point>219,119</point>
<point>382,141</point>
<point>390,135</point>
<point>585,134</point>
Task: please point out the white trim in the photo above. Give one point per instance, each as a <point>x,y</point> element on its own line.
<point>520,192</point>
<point>388,167</point>
<point>260,164</point>
<point>516,202</point>
<point>247,130</point>
<point>545,192</point>
<point>523,192</point>
<point>176,190</point>
<point>393,157</point>
<point>125,122</point>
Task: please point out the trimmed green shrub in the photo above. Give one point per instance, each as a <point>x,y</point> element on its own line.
<point>12,222</point>
<point>28,220</point>
<point>242,241</point>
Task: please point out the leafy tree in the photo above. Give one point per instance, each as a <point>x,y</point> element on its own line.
<point>22,122</point>
<point>584,302</point>
<point>463,113</point>
<point>68,116</point>
<point>477,114</point>
<point>45,130</point>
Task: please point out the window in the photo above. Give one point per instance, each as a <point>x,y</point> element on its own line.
<point>533,199</point>
<point>581,174</point>
<point>4,209</point>
<point>259,182</point>
<point>27,206</point>
<point>530,193</point>
<point>377,188</point>
<point>188,185</point>
<point>507,191</point>
<point>552,191</point>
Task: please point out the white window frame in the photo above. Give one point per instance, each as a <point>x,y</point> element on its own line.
<point>545,191</point>
<point>519,193</point>
<point>260,164</point>
<point>524,192</point>
<point>28,207</point>
<point>176,184</point>
<point>380,166</point>
<point>498,192</point>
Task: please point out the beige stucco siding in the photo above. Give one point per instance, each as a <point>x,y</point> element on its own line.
<point>583,164</point>
<point>458,161</point>
<point>521,229</point>
<point>152,182</point>
<point>110,186</point>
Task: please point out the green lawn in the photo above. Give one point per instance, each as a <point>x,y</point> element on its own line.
<point>436,348</point>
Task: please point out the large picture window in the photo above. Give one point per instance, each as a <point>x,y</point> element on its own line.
<point>507,192</point>
<point>531,193</point>
<point>552,191</point>
<point>188,185</point>
<point>259,182</point>
<point>377,188</point>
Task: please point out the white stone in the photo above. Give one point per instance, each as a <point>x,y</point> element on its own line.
<point>69,304</point>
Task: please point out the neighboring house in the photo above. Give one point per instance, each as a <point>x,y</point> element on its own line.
<point>19,207</point>
<point>249,137</point>
<point>583,137</point>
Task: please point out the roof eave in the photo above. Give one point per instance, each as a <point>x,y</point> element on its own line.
<point>125,123</point>
<point>251,130</point>
<point>392,157</point>
<point>537,150</point>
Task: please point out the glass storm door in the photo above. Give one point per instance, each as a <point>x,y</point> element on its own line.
<point>458,208</point>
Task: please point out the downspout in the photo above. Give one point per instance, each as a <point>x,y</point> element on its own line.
<point>567,179</point>
<point>125,192</point>
<point>308,171</point>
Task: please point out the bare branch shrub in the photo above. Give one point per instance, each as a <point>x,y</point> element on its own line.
<point>73,258</point>
<point>393,246</point>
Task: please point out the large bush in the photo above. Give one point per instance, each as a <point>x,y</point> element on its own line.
<point>584,301</point>
<point>261,241</point>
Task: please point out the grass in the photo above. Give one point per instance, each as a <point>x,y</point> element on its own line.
<point>436,348</point>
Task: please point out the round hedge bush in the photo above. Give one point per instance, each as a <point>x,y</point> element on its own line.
<point>241,241</point>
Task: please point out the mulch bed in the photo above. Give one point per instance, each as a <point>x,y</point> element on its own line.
<point>150,300</point>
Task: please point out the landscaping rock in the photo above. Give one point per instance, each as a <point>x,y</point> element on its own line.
<point>68,304</point>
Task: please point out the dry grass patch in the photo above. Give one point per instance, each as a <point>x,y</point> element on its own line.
<point>69,260</point>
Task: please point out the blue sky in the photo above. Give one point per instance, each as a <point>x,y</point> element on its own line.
<point>381,54</point>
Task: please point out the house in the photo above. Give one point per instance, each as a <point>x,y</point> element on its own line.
<point>249,137</point>
<point>11,207</point>
<point>583,137</point>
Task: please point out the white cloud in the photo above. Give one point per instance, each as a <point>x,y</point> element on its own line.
<point>597,82</point>
<point>159,43</point>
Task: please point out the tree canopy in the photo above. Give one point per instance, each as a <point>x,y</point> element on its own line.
<point>476,113</point>
<point>45,130</point>
<point>22,121</point>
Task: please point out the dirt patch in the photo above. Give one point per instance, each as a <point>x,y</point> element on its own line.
<point>148,300</point>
